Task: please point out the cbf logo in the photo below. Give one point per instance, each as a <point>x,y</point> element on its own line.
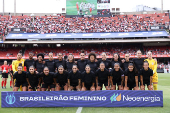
<point>115,97</point>
<point>10,98</point>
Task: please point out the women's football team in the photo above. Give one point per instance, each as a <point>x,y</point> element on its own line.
<point>91,74</point>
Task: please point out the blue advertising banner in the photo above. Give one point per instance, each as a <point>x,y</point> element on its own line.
<point>105,98</point>
<point>87,35</point>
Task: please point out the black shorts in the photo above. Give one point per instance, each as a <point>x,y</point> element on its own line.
<point>74,85</point>
<point>34,87</point>
<point>117,82</point>
<point>18,84</point>
<point>46,85</point>
<point>131,86</point>
<point>101,84</point>
<point>4,75</point>
<point>88,86</point>
<point>62,85</point>
<point>146,83</point>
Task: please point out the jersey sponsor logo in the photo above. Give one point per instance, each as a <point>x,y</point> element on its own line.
<point>10,98</point>
<point>115,97</point>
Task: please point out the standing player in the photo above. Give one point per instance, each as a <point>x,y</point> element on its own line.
<point>88,79</point>
<point>16,63</point>
<point>82,62</point>
<point>33,80</point>
<point>74,79</point>
<point>102,77</point>
<point>61,78</point>
<point>90,10</point>
<point>146,76</point>
<point>70,62</point>
<point>105,61</point>
<point>91,62</point>
<point>126,63</point>
<point>116,59</point>
<point>20,77</point>
<point>29,62</point>
<point>77,6</point>
<point>131,78</point>
<point>39,65</point>
<point>48,80</point>
<point>138,62</point>
<point>50,63</point>
<point>11,74</point>
<point>60,61</point>
<point>5,69</point>
<point>153,66</point>
<point>117,77</point>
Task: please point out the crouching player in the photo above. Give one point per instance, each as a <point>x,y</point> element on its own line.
<point>131,78</point>
<point>88,79</point>
<point>74,79</point>
<point>117,77</point>
<point>146,76</point>
<point>102,77</point>
<point>33,80</point>
<point>48,80</point>
<point>20,77</point>
<point>61,78</point>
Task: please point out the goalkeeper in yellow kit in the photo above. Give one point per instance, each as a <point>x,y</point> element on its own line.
<point>16,63</point>
<point>153,65</point>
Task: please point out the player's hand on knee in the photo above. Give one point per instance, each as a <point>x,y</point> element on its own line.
<point>150,87</point>
<point>121,87</point>
<point>92,88</point>
<point>142,87</point>
<point>83,89</point>
<point>136,88</point>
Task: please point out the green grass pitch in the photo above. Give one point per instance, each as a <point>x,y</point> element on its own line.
<point>72,10</point>
<point>163,84</point>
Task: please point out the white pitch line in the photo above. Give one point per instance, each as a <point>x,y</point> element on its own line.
<point>79,109</point>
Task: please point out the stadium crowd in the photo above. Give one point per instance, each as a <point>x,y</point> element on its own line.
<point>83,74</point>
<point>61,24</point>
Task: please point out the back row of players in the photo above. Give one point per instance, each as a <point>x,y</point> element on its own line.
<point>85,74</point>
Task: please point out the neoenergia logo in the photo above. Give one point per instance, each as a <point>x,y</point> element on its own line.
<point>115,97</point>
<point>10,98</point>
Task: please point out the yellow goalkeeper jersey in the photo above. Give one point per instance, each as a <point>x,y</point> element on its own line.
<point>16,63</point>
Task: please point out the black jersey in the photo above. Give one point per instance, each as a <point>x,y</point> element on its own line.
<point>93,65</point>
<point>81,64</point>
<point>125,65</point>
<point>29,63</point>
<point>102,75</point>
<point>61,78</point>
<point>131,76</point>
<point>39,66</point>
<point>69,66</point>
<point>58,63</point>
<point>74,77</point>
<point>117,75</point>
<point>138,63</point>
<point>146,74</point>
<point>51,65</point>
<point>113,63</point>
<point>20,77</point>
<point>48,79</point>
<point>106,62</point>
<point>88,78</point>
<point>33,78</point>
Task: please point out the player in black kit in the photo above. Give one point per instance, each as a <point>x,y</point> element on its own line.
<point>116,59</point>
<point>105,61</point>
<point>117,77</point>
<point>33,80</point>
<point>102,77</point>
<point>127,61</point>
<point>74,79</point>
<point>88,79</point>
<point>50,63</point>
<point>92,62</point>
<point>29,62</point>
<point>39,64</point>
<point>20,77</point>
<point>48,80</point>
<point>60,61</point>
<point>61,78</point>
<point>131,78</point>
<point>82,62</point>
<point>146,76</point>
<point>70,62</point>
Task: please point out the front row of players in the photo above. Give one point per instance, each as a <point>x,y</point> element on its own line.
<point>87,80</point>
